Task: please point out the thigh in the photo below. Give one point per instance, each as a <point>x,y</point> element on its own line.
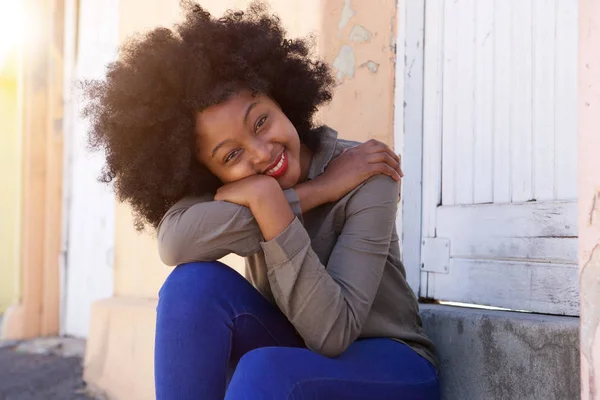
<point>208,316</point>
<point>369,369</point>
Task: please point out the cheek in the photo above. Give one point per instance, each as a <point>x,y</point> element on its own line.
<point>235,173</point>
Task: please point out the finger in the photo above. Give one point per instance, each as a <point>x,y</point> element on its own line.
<point>392,154</point>
<point>374,146</point>
<point>372,142</point>
<point>384,158</point>
<point>383,168</point>
<point>377,146</point>
<point>396,159</point>
<point>400,164</point>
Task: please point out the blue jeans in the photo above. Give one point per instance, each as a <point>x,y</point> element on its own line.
<point>217,337</point>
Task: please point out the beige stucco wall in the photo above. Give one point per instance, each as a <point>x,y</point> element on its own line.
<point>589,195</point>
<point>354,36</point>
<point>10,184</point>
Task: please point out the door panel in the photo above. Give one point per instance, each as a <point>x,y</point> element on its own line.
<point>500,154</point>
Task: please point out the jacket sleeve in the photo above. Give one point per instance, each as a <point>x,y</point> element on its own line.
<point>329,305</point>
<point>201,229</point>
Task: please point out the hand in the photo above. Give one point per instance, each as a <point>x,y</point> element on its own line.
<point>248,191</point>
<point>265,199</point>
<point>356,165</point>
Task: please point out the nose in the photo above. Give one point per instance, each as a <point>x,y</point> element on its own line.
<point>262,153</point>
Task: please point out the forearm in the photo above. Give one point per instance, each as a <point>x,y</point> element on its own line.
<point>312,194</point>
<point>272,213</point>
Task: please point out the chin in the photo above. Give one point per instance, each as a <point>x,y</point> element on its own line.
<point>289,181</point>
<point>286,185</point>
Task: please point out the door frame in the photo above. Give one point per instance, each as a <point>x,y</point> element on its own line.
<point>78,272</point>
<point>408,134</point>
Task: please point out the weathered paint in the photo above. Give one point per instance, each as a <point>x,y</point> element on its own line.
<point>367,29</point>
<point>345,63</point>
<point>347,14</point>
<point>500,147</point>
<point>371,65</point>
<point>360,34</point>
<point>589,196</point>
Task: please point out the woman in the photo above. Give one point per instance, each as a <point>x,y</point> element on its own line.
<point>209,135</point>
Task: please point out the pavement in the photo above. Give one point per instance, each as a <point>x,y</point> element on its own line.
<point>43,369</point>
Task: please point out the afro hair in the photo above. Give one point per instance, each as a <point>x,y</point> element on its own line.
<point>143,114</point>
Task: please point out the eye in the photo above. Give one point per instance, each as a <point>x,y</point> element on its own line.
<point>261,121</point>
<point>231,155</point>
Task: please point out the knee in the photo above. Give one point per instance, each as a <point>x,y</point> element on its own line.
<point>195,283</point>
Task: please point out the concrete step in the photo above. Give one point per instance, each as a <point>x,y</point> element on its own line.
<point>489,355</point>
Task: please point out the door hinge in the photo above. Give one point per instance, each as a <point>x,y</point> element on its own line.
<point>435,255</point>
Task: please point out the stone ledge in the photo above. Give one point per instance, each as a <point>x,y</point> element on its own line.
<point>504,355</point>
<point>119,359</point>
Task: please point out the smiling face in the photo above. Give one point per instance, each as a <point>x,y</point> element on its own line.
<point>248,135</point>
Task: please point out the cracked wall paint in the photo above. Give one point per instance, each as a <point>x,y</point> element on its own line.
<point>589,279</point>
<point>595,211</point>
<point>589,196</point>
<point>360,34</point>
<point>359,91</point>
<point>371,65</point>
<point>347,14</point>
<point>345,63</point>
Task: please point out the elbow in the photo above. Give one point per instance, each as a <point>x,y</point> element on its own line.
<point>330,350</point>
<point>337,337</point>
<point>168,248</point>
<point>167,253</point>
<point>333,345</point>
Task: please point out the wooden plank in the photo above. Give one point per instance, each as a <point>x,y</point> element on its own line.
<point>566,99</point>
<point>412,54</point>
<point>547,219</point>
<point>449,107</point>
<point>525,286</point>
<point>521,149</point>
<point>463,148</point>
<point>502,95</point>
<point>34,192</point>
<point>41,84</point>
<point>543,98</point>
<point>54,169</point>
<point>432,111</point>
<point>544,249</point>
<point>483,180</point>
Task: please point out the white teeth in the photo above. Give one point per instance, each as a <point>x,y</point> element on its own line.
<point>276,168</point>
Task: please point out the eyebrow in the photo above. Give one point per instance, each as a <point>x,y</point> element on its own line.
<point>217,147</point>
<point>250,107</point>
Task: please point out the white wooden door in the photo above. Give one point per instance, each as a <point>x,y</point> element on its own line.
<point>89,204</point>
<point>499,220</point>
